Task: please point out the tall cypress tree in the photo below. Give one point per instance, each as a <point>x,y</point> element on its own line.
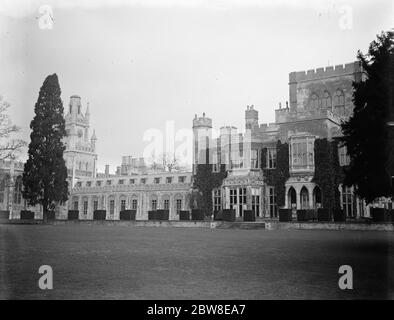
<point>45,172</point>
<point>366,132</point>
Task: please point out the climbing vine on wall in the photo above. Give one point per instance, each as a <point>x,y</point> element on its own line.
<point>277,177</point>
<point>328,173</point>
<point>205,181</point>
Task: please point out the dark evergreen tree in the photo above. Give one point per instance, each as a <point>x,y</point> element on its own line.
<point>45,172</point>
<point>366,132</point>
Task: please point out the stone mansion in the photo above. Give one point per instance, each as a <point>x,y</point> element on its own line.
<point>318,101</point>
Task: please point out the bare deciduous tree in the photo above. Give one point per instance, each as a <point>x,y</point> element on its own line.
<point>9,146</point>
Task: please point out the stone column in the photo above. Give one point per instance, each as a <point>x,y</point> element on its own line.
<point>226,198</point>
<point>287,197</point>
<point>298,198</point>
<point>310,192</point>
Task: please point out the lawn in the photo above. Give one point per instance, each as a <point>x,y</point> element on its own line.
<point>118,262</point>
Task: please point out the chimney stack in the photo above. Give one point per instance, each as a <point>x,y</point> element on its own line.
<point>107,169</point>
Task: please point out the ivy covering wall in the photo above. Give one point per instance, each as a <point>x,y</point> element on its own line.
<point>204,182</point>
<point>277,177</point>
<point>328,173</point>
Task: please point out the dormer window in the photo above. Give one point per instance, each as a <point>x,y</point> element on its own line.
<point>169,180</point>
<point>157,180</point>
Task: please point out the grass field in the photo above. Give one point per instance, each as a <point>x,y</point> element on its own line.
<point>114,262</point>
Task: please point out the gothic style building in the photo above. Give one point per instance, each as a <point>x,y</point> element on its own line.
<point>260,168</point>
<point>80,157</point>
<point>319,100</point>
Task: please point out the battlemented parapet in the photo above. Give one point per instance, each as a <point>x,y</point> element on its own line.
<point>329,88</point>
<point>322,73</point>
<point>202,121</point>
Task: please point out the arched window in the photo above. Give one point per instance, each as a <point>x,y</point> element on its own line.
<point>123,202</point>
<point>314,101</point>
<point>111,205</point>
<point>178,203</point>
<point>134,202</point>
<point>317,197</point>
<point>18,190</point>
<point>339,103</point>
<point>292,198</point>
<point>153,203</point>
<point>166,202</point>
<point>304,197</point>
<point>4,184</point>
<point>326,102</point>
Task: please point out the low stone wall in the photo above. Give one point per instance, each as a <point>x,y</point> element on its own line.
<point>268,225</point>
<point>356,226</point>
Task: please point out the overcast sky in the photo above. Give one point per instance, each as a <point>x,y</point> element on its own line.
<point>140,64</point>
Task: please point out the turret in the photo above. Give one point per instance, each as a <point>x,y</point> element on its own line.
<point>202,135</point>
<point>87,112</point>
<point>75,105</point>
<point>251,118</point>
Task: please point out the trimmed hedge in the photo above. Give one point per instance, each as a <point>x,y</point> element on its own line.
<point>323,215</point>
<point>127,215</point>
<point>285,215</point>
<point>163,214</point>
<point>27,215</point>
<point>249,215</point>
<point>4,214</point>
<point>197,214</point>
<point>218,215</point>
<point>184,215</point>
<point>339,215</point>
<point>229,215</point>
<point>73,215</point>
<point>379,215</point>
<point>302,215</point>
<point>311,214</point>
<point>99,215</point>
<point>152,215</point>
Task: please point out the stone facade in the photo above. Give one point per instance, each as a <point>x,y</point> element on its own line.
<point>319,100</point>
<point>141,192</point>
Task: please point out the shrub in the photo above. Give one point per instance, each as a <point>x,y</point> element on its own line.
<point>218,215</point>
<point>379,215</point>
<point>99,215</point>
<point>184,215</point>
<point>152,215</point>
<point>197,214</point>
<point>163,215</point>
<point>73,215</point>
<point>229,215</point>
<point>4,214</point>
<point>27,215</point>
<point>127,215</point>
<point>285,215</point>
<point>339,215</point>
<point>249,215</point>
<point>323,215</point>
<point>301,215</point>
